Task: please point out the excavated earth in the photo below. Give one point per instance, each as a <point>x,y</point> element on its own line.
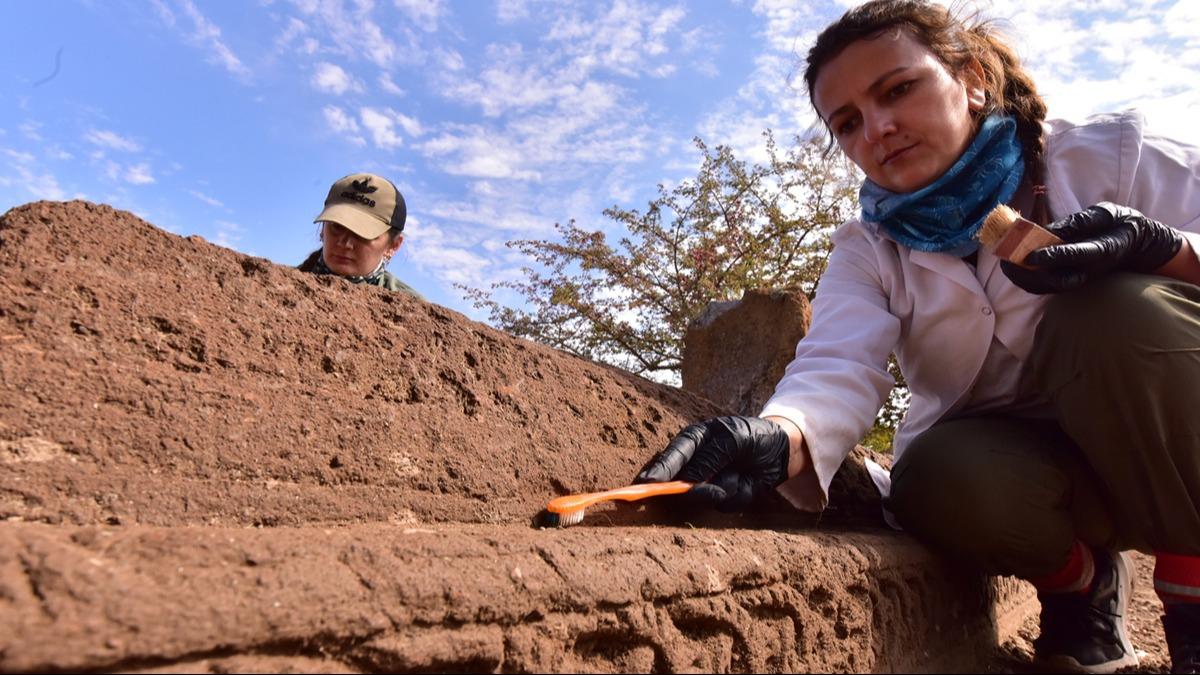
<point>211,462</point>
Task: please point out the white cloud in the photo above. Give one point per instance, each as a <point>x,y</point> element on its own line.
<point>741,131</point>
<point>351,32</point>
<point>572,132</point>
<point>331,79</point>
<point>208,36</point>
<point>507,211</point>
<point>205,198</point>
<point>45,186</point>
<point>20,157</point>
<point>558,111</point>
<point>57,153</point>
<point>1183,20</point>
<point>424,13</point>
<point>381,125</point>
<point>344,124</point>
<point>386,83</point>
<point>450,255</point>
<point>451,60</point>
<point>511,81</point>
<point>1153,67</point>
<point>476,152</point>
<point>40,185</point>
<point>453,265</point>
<point>30,130</point>
<point>509,11</point>
<point>228,234</point>
<point>624,40</point>
<point>294,31</point>
<point>410,125</point>
<point>339,121</point>
<point>164,13</point>
<point>139,174</point>
<point>111,140</point>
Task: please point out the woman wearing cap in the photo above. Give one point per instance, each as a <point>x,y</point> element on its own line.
<point>361,229</point>
<point>1054,419</point>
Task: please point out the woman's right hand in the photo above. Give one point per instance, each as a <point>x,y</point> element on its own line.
<point>732,460</point>
<point>1098,240</point>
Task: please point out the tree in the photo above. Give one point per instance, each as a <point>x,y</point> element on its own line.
<point>735,226</point>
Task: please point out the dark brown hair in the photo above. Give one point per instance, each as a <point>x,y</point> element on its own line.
<point>956,43</point>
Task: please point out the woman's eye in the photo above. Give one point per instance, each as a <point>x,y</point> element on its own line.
<point>846,126</point>
<point>900,89</point>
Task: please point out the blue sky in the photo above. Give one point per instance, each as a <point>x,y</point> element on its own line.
<point>497,118</point>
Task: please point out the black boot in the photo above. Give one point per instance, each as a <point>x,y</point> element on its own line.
<point>1086,633</point>
<point>1181,623</point>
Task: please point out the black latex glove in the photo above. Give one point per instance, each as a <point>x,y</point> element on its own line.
<point>732,459</point>
<point>1100,239</point>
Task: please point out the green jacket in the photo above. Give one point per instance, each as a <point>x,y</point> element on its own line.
<point>386,280</point>
<point>389,281</point>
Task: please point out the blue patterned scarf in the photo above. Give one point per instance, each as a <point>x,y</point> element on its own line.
<point>944,216</point>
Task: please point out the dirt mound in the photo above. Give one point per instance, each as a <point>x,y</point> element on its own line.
<point>158,380</point>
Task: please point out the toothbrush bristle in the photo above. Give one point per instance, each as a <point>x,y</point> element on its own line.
<point>568,519</point>
<point>549,519</point>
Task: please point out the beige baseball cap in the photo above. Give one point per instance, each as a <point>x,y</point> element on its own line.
<point>366,204</point>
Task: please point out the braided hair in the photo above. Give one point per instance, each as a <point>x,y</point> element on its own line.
<point>956,43</point>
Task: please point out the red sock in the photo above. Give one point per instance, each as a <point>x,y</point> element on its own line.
<point>1074,577</point>
<point>1177,577</point>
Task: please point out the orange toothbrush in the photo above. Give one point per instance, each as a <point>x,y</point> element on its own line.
<point>568,510</point>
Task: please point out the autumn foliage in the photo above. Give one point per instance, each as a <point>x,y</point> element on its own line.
<point>735,226</point>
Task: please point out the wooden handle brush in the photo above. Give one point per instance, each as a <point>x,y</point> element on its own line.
<point>568,510</point>
<point>1012,237</point>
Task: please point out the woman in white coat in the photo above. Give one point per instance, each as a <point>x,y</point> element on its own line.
<point>1053,420</point>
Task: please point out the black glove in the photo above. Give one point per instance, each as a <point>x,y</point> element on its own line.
<point>733,460</point>
<point>1100,239</point>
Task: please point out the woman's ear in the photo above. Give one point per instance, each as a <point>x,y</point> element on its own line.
<point>394,245</point>
<point>975,84</point>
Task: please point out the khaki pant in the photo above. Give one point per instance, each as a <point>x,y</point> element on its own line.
<point>1120,467</point>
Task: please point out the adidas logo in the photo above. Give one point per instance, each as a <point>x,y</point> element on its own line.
<point>360,189</point>
<point>363,186</point>
<point>355,197</point>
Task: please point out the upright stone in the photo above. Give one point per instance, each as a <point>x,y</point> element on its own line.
<point>735,352</point>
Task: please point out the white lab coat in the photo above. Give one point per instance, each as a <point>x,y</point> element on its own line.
<point>931,309</point>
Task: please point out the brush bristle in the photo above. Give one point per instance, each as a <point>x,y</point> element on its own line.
<point>572,518</point>
<point>552,520</point>
<point>996,225</point>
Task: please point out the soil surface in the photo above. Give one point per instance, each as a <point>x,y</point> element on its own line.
<point>189,435</point>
